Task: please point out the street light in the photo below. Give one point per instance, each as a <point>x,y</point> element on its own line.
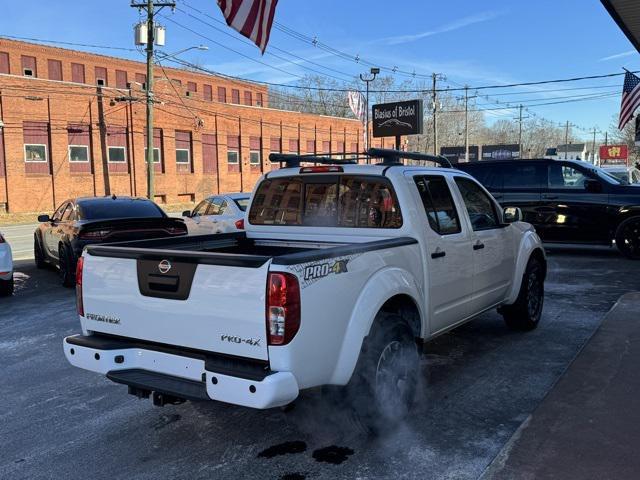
<point>374,71</point>
<point>165,56</point>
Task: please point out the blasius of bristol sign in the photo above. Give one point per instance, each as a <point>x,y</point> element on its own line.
<point>398,118</point>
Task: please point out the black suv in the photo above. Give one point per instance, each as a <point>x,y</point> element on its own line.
<point>567,201</point>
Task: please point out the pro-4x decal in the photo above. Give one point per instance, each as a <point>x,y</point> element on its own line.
<point>311,272</point>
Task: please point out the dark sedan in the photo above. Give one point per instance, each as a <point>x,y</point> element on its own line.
<point>567,201</point>
<point>59,239</point>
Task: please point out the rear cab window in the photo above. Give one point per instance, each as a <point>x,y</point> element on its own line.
<point>438,204</point>
<point>347,201</point>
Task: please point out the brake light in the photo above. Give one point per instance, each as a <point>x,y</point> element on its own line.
<point>240,224</point>
<point>94,234</point>
<point>283,308</point>
<point>79,302</point>
<point>330,169</point>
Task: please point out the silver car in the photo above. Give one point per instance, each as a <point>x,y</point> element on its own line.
<point>217,214</point>
<point>6,268</point>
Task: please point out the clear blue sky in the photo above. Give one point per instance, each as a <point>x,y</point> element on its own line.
<point>471,42</point>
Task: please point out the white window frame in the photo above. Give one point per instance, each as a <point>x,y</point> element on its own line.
<point>237,152</point>
<point>117,162</point>
<point>257,152</point>
<point>46,152</point>
<point>188,156</point>
<point>159,161</point>
<point>86,147</point>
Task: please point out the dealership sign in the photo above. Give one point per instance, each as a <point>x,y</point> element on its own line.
<point>501,152</point>
<point>614,152</point>
<point>397,118</point>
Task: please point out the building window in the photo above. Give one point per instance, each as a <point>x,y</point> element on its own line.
<point>182,155</point>
<point>78,153</point>
<point>77,73</point>
<point>121,79</point>
<point>248,98</point>
<point>55,69</point>
<point>28,66</point>
<point>35,152</point>
<point>156,154</point>
<point>116,155</point>
<point>141,78</point>
<point>254,158</point>
<point>235,96</point>
<point>4,63</point>
<point>192,87</point>
<point>207,92</point>
<point>259,100</point>
<point>222,95</point>
<point>101,77</point>
<point>232,157</point>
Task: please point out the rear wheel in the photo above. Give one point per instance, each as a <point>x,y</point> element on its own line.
<point>383,386</point>
<point>65,267</point>
<point>6,287</point>
<point>38,255</point>
<point>628,238</point>
<point>525,313</point>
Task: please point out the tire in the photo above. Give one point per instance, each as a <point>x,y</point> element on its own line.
<point>6,287</point>
<point>38,255</point>
<point>628,238</point>
<point>525,313</point>
<point>383,385</point>
<point>66,267</point>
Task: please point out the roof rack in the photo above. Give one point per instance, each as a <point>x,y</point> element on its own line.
<point>389,158</point>
<point>293,160</point>
<point>392,157</point>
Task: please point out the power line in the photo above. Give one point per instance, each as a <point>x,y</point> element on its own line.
<point>73,44</point>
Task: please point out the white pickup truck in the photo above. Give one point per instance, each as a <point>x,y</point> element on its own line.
<point>342,271</point>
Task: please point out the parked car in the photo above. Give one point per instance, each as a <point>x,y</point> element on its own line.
<point>567,201</point>
<point>6,268</point>
<point>627,174</point>
<point>358,262</point>
<point>217,214</point>
<point>79,222</point>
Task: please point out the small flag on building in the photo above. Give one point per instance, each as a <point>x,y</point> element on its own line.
<point>252,18</point>
<point>630,98</point>
<point>358,104</point>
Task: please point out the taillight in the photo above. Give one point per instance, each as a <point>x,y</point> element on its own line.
<point>283,308</point>
<point>240,224</point>
<point>79,303</point>
<point>331,169</point>
<point>94,234</point>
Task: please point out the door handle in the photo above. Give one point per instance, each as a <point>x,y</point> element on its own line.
<point>550,197</point>
<point>438,254</point>
<point>478,246</point>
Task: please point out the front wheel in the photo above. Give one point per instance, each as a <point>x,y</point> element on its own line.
<point>383,386</point>
<point>628,238</point>
<point>6,287</point>
<point>525,313</point>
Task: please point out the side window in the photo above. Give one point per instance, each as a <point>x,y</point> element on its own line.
<point>565,176</point>
<point>480,207</point>
<point>524,176</point>
<point>214,207</point>
<point>57,216</point>
<point>200,209</point>
<point>223,207</point>
<point>438,204</point>
<point>491,176</point>
<point>68,213</point>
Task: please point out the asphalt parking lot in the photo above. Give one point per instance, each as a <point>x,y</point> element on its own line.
<point>480,382</point>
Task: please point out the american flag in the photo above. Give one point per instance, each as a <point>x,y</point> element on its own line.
<point>252,18</point>
<point>630,98</point>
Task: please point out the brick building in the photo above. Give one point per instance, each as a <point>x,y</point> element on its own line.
<point>73,123</point>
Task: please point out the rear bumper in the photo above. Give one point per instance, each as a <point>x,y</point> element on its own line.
<point>187,375</point>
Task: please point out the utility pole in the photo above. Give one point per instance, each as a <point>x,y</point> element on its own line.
<point>150,7</point>
<point>566,140</point>
<point>605,139</point>
<point>519,119</point>
<point>593,146</point>
<point>466,123</point>
<point>434,77</point>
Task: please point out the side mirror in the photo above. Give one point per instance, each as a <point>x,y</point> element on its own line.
<point>44,218</point>
<point>186,213</point>
<point>512,214</point>
<point>592,186</point>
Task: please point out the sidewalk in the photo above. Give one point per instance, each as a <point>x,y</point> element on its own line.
<point>588,426</point>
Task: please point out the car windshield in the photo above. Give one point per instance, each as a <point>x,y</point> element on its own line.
<point>103,209</point>
<point>242,203</point>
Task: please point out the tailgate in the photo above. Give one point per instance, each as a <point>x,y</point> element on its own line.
<point>176,300</point>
